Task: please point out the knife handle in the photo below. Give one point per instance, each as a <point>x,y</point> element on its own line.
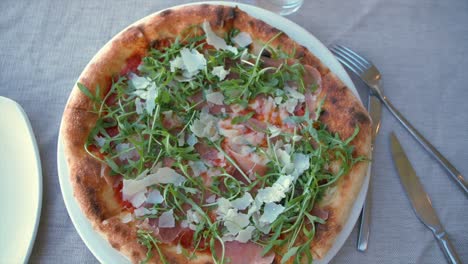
<point>447,247</point>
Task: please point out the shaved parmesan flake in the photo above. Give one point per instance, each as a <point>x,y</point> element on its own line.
<point>255,207</point>
<point>193,60</point>
<point>277,191</point>
<point>138,199</point>
<point>220,72</point>
<point>198,167</point>
<point>274,130</point>
<point>177,63</point>
<point>242,39</point>
<point>193,216</point>
<point>283,183</point>
<point>167,175</point>
<point>242,202</point>
<point>178,249</point>
<point>193,219</point>
<point>292,93</point>
<point>216,98</point>
<point>228,238</point>
<point>245,235</point>
<point>211,199</point>
<point>154,197</point>
<point>301,164</point>
<point>235,222</point>
<point>103,170</point>
<point>139,106</point>
<point>190,62</point>
<point>181,139</point>
<point>151,99</point>
<point>144,211</point>
<point>284,157</point>
<point>100,140</point>
<point>139,83</point>
<point>278,100</point>
<point>192,140</point>
<point>290,105</point>
<point>205,126</point>
<point>223,206</point>
<point>296,138</point>
<point>271,211</point>
<point>216,41</point>
<point>163,175</point>
<point>166,220</point>
<point>124,151</point>
<point>126,218</point>
<point>269,195</point>
<point>259,158</point>
<point>244,55</point>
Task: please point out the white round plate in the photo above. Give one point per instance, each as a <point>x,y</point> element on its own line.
<point>21,184</point>
<point>103,251</point>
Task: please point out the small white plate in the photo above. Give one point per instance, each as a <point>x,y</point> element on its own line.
<point>102,249</point>
<point>21,187</point>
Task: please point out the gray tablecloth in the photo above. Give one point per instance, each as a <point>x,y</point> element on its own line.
<point>421,47</point>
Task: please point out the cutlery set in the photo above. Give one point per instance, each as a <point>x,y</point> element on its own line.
<point>419,199</point>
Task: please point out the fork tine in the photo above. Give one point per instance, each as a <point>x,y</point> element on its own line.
<point>351,57</point>
<point>366,63</point>
<point>350,63</point>
<point>353,68</point>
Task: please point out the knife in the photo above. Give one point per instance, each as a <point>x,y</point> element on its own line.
<point>420,201</point>
<point>375,110</point>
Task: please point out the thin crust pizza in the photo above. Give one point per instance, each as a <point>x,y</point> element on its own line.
<point>203,135</point>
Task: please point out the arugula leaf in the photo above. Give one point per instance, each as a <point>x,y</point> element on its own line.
<point>242,119</point>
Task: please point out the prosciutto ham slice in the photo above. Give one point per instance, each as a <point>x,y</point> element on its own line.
<point>165,235</point>
<point>247,163</point>
<point>238,253</point>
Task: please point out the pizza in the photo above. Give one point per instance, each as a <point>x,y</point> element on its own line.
<point>203,135</point>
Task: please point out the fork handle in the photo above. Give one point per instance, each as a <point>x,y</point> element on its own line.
<point>364,226</point>
<point>456,175</point>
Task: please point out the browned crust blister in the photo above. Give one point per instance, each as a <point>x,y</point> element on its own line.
<point>342,113</point>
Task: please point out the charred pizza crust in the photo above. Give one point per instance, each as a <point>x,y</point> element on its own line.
<point>342,111</point>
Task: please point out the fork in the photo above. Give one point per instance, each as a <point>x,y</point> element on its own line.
<point>371,76</point>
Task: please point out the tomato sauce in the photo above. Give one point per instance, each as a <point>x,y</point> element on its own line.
<point>131,65</point>
<point>118,197</point>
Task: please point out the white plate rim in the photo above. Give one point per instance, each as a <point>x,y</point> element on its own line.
<point>104,252</point>
<point>38,179</point>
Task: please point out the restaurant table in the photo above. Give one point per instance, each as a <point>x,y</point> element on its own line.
<point>420,46</point>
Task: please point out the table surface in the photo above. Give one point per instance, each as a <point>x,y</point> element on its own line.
<point>420,46</point>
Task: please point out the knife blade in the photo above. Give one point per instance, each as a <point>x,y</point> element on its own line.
<point>420,201</point>
<point>374,106</point>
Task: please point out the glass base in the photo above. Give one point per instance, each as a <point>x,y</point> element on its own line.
<point>282,7</point>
